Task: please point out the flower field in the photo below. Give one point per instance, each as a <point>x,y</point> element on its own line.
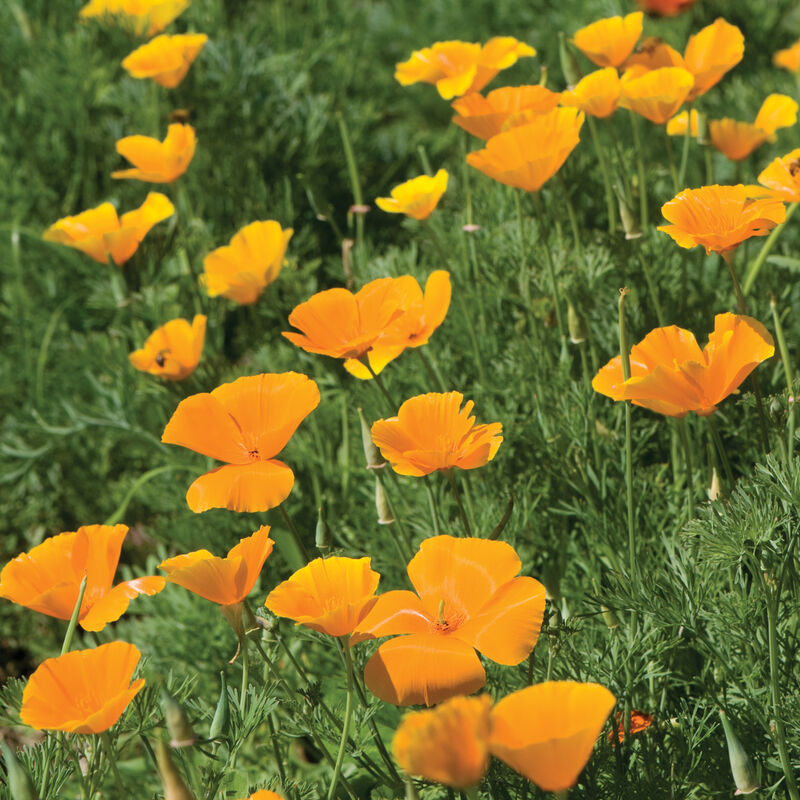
<point>398,400</point>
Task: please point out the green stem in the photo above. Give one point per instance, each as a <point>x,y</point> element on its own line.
<point>433,375</point>
<point>591,416</point>
<point>651,287</point>
<point>637,140</point>
<point>73,621</point>
<point>295,533</point>
<point>245,676</point>
<point>687,138</point>
<point>728,258</point>
<point>524,273</point>
<point>112,760</point>
<point>380,384</point>
<point>457,494</point>
<point>348,711</point>
<point>273,736</point>
<point>756,265</point>
<point>787,369</point>
<point>432,504</point>
<point>721,451</point>
<point>707,158</point>
<point>672,170</point>
<point>626,374</point>
<point>573,219</point>
<point>355,182</point>
<point>687,450</point>
<point>549,264</point>
<point>137,484</point>
<point>602,158</point>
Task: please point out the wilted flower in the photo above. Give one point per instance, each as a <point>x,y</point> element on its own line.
<point>665,8</point>
<point>173,350</point>
<point>719,218</point>
<point>546,732</point>
<point>656,94</point>
<point>597,94</point>
<point>448,744</point>
<point>608,42</point>
<point>711,53</point>
<point>528,155</point>
<point>100,233</point>
<point>242,269</point>
<point>468,596</point>
<point>48,578</point>
<point>782,176</point>
<point>165,59</point>
<point>147,17</point>
<point>158,162</point>
<point>329,595</point>
<point>423,315</point>
<point>501,109</point>
<point>83,691</point>
<point>789,58</point>
<point>432,432</point>
<point>415,198</point>
<point>245,423</point>
<point>459,67</point>
<point>671,375</point>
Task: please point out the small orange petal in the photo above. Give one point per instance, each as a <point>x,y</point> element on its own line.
<point>257,486</point>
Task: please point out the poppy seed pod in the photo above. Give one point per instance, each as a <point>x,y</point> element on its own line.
<point>741,766</point>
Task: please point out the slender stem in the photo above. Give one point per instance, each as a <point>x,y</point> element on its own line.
<point>245,676</point>
<point>756,265</point>
<point>549,264</point>
<point>626,374</point>
<point>112,760</point>
<point>728,256</point>
<point>137,484</point>
<point>591,415</point>
<point>651,287</point>
<point>672,169</point>
<point>637,140</point>
<point>687,450</point>
<point>295,533</point>
<point>73,621</point>
<point>602,158</point>
<point>457,494</point>
<point>273,736</point>
<point>433,375</point>
<point>432,504</point>
<point>687,138</point>
<point>379,383</point>
<point>721,451</point>
<point>355,183</point>
<point>787,369</point>
<point>707,158</point>
<point>524,273</point>
<point>573,219</point>
<point>348,711</point>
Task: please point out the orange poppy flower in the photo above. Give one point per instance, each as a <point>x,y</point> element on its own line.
<point>448,744</point>
<point>83,691</point>
<point>424,315</point>
<point>165,59</point>
<point>48,578</point>
<point>501,109</point>
<point>264,794</point>
<point>173,350</point>
<point>657,94</point>
<point>222,580</point>
<point>719,217</point>
<point>782,176</point>
<point>329,595</point>
<point>528,155</point>
<point>665,8</point>
<point>416,198</point>
<point>789,58</point>
<point>711,53</point>
<point>546,732</point>
<point>639,722</point>
<point>158,162</point>
<point>654,53</point>
<point>460,67</point>
<point>678,124</point>
<point>340,324</point>
<point>608,42</point>
<point>671,375</point>
<point>246,424</point>
<point>597,94</point>
<point>468,597</point>
<point>146,17</point>
<point>100,233</point>
<point>242,269</point>
<point>432,432</point>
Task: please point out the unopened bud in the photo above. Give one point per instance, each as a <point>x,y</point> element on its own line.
<point>715,489</point>
<point>385,516</point>
<point>609,617</point>
<point>371,453</point>
<point>323,533</point>
<point>741,766</point>
<point>219,725</point>
<point>702,129</point>
<point>576,325</point>
<point>569,66</point>
<point>180,731</point>
<point>630,224</point>
<point>19,782</point>
<point>174,786</point>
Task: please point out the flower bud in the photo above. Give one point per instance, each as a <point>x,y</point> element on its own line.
<point>371,452</point>
<point>174,786</point>
<point>630,224</point>
<point>575,324</point>
<point>19,782</point>
<point>180,731</point>
<point>741,766</point>
<point>715,489</point>
<point>702,129</point>
<point>385,516</point>
<point>323,533</point>
<point>219,725</point>
<point>569,66</point>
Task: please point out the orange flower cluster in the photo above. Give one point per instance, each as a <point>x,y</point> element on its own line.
<point>502,109</point>
<point>145,17</point>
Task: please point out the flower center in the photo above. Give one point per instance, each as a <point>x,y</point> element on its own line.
<point>161,357</point>
<point>447,623</point>
<point>253,454</point>
<point>794,167</point>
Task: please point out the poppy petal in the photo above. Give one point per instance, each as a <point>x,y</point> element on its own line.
<point>114,603</point>
<point>257,486</point>
<point>396,612</point>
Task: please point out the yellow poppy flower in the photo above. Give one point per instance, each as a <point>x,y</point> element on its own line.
<point>158,162</point>
<point>608,42</point>
<point>597,94</point>
<point>165,59</point>
<point>415,198</point>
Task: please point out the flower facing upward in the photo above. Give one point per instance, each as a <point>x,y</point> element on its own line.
<point>608,42</point>
<point>468,597</point>
<point>448,744</point>
<point>101,234</point>
<point>527,156</point>
<point>173,350</point>
<point>329,595</point>
<point>719,218</point>
<point>246,424</point>
<point>146,17</point>
<point>501,109</point>
<point>242,269</point>
<point>165,59</point>
<point>158,162</point>
<point>84,691</point>
<point>789,58</point>
<point>432,432</point>
<point>782,176</point>
<point>423,314</point>
<point>671,375</point>
<point>657,94</point>
<point>460,67</point>
<point>48,578</point>
<point>665,8</point>
<point>597,94</point>
<point>416,198</point>
<point>737,140</point>
<point>711,53</point>
<point>340,324</point>
<point>222,580</point>
<point>546,732</point>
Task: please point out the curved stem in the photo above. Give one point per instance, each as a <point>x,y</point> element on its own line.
<point>765,250</point>
<point>295,533</point>
<point>137,484</point>
<point>74,618</point>
<point>348,711</point>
